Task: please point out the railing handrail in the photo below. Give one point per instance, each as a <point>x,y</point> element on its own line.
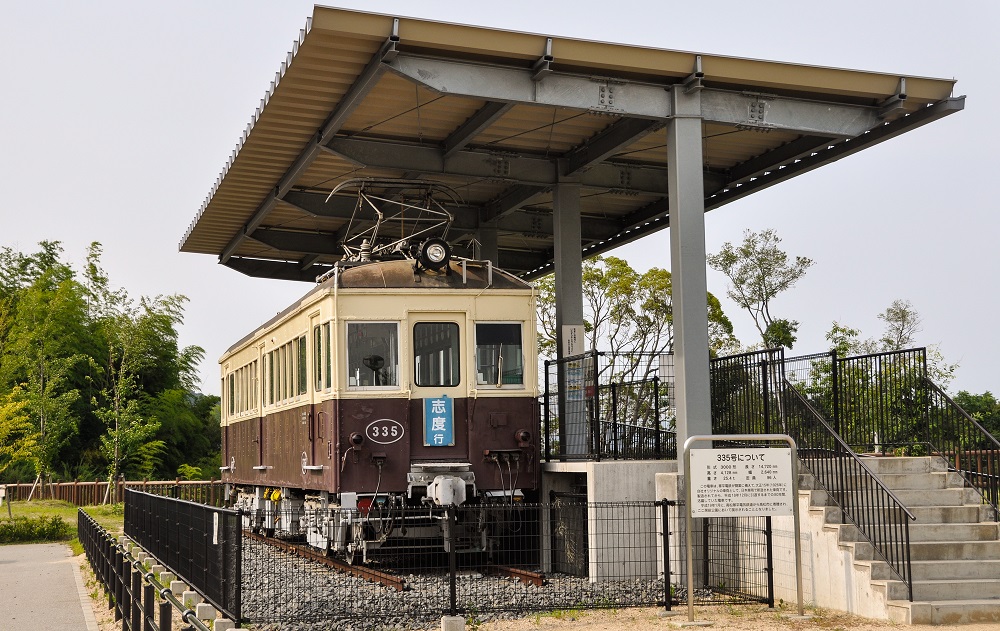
<point>990,496</point>
<point>847,449</point>
<point>866,531</point>
<point>934,387</point>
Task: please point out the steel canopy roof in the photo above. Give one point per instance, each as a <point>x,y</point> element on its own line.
<point>501,117</point>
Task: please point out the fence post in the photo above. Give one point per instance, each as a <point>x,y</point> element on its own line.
<point>135,598</point>
<point>165,616</point>
<point>665,519</point>
<point>545,414</point>
<point>768,540</point>
<point>656,417</point>
<point>119,559</point>
<point>452,559</point>
<point>614,420</point>
<point>148,594</point>
<point>704,551</point>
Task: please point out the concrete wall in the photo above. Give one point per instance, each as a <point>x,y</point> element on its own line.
<point>838,581</point>
<point>620,545</point>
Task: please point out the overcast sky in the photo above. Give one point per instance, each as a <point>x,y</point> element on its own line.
<point>116,118</point>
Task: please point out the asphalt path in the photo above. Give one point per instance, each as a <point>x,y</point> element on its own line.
<point>41,588</point>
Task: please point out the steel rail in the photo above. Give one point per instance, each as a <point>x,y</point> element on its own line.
<point>360,571</point>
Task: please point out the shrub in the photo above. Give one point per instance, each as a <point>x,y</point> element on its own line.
<point>25,529</point>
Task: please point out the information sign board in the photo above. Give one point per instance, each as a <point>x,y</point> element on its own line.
<point>741,482</point>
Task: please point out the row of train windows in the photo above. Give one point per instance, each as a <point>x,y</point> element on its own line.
<point>373,360</point>
<point>373,354</point>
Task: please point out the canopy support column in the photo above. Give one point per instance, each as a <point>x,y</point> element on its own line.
<point>568,263</point>
<point>687,264</point>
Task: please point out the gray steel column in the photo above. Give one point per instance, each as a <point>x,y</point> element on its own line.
<point>687,265</point>
<point>568,262</point>
<point>488,249</point>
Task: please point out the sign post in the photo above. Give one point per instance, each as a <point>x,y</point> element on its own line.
<point>741,482</point>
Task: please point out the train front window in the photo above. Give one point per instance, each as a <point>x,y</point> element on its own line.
<point>435,354</point>
<point>499,360</point>
<point>372,354</point>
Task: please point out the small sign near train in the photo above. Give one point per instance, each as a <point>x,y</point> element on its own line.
<point>439,427</point>
<point>741,482</point>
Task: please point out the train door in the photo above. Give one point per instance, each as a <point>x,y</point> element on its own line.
<point>316,416</point>
<point>438,416</point>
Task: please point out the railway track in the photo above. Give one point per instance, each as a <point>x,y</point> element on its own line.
<point>306,552</point>
<point>384,578</point>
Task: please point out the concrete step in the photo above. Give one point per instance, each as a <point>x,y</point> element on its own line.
<point>913,481</point>
<point>948,612</point>
<point>954,550</point>
<point>968,514</point>
<point>954,532</point>
<point>941,570</point>
<point>890,464</point>
<point>946,589</point>
<point>925,533</point>
<point>925,497</point>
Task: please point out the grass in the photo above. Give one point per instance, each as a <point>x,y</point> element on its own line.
<point>37,521</point>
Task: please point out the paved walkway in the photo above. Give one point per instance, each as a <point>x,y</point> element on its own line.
<point>41,588</point>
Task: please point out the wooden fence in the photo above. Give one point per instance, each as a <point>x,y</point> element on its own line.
<point>92,493</point>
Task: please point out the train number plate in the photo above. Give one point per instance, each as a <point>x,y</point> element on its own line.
<point>384,431</point>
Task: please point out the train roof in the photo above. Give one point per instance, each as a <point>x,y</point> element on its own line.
<point>400,274</point>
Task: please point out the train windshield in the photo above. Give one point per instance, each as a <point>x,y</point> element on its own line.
<point>499,360</point>
<point>372,354</point>
<point>435,354</point>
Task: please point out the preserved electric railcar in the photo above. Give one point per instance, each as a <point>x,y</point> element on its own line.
<point>388,386</point>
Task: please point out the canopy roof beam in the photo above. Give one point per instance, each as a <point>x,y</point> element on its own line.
<point>755,110</point>
<point>520,169</point>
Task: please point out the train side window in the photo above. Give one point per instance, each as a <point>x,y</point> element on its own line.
<point>499,359</point>
<point>318,358</point>
<point>372,354</point>
<point>232,394</point>
<point>302,366</point>
<point>328,364</point>
<point>436,350</point>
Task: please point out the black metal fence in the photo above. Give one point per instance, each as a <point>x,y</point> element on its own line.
<point>864,500</point>
<point>600,406</point>
<point>200,544</point>
<point>136,597</point>
<point>513,558</point>
<point>758,392</point>
<point>413,565</point>
<point>967,446</point>
<point>885,404</point>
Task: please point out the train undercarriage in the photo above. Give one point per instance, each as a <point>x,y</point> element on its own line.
<point>362,527</point>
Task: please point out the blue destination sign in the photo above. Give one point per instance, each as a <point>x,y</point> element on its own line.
<point>439,422</point>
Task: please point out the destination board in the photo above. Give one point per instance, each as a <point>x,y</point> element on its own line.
<point>741,482</point>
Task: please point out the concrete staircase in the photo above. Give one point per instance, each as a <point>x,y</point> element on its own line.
<point>954,543</point>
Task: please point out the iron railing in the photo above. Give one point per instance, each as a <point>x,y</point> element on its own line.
<point>879,400</point>
<point>863,498</point>
<point>133,592</point>
<point>198,543</point>
<point>967,446</point>
<point>601,405</point>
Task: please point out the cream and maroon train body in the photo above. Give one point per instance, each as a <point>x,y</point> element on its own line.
<point>389,384</point>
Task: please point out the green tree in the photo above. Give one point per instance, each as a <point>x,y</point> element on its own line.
<point>984,407</point>
<point>18,436</point>
<point>87,364</point>
<point>627,312</point>
<point>43,335</point>
<point>758,271</point>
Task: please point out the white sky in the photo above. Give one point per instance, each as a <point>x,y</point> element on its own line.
<point>116,118</point>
